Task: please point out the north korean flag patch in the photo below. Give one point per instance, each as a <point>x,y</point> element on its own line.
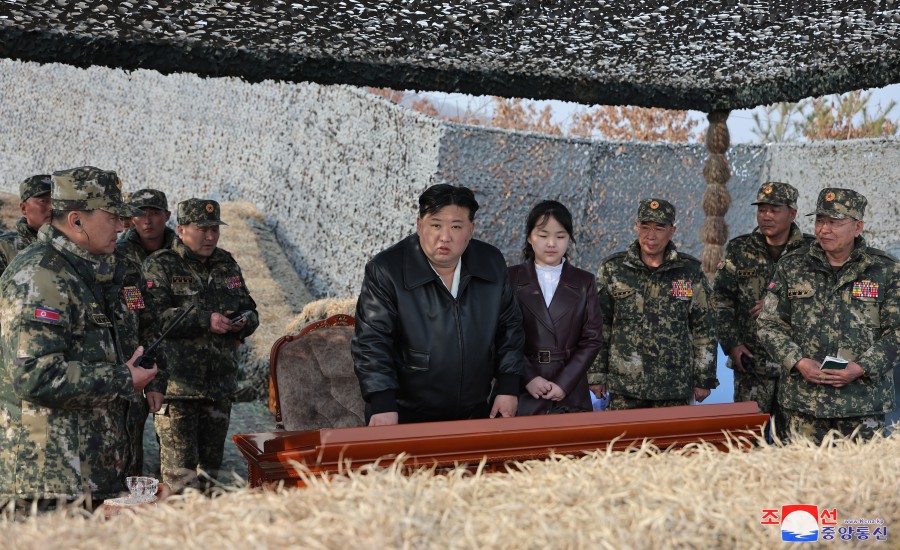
<point>46,314</point>
<point>233,282</point>
<point>149,284</point>
<point>771,285</point>
<point>682,289</point>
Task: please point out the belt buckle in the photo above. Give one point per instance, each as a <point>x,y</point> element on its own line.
<point>544,356</point>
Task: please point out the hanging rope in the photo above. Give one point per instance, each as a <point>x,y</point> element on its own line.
<point>716,198</point>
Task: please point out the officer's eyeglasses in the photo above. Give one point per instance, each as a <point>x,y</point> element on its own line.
<point>832,223</point>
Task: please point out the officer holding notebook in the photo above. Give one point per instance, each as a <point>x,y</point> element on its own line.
<point>840,298</point>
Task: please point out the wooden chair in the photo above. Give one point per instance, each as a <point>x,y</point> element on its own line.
<point>313,385</point>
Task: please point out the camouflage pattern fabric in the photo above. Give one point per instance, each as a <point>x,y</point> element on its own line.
<point>203,212</point>
<point>658,327</point>
<point>623,402</point>
<point>804,425</point>
<point>777,193</point>
<point>129,244</point>
<point>89,188</point>
<point>740,281</point>
<point>854,313</point>
<point>840,204</point>
<point>34,186</point>
<point>190,437</point>
<point>751,386</point>
<point>13,242</point>
<point>138,323</point>
<point>64,391</point>
<point>201,365</point>
<point>149,198</point>
<point>129,248</point>
<point>656,210</point>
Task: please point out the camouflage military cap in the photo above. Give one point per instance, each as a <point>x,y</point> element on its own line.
<point>656,210</point>
<point>34,186</point>
<point>89,188</point>
<point>149,198</point>
<point>203,212</point>
<point>777,193</point>
<point>839,203</point>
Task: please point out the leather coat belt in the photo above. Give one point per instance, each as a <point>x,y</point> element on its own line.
<point>549,356</point>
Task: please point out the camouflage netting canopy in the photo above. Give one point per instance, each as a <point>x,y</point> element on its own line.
<point>687,54</point>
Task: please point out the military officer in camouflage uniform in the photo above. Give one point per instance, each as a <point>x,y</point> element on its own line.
<point>148,232</point>
<point>658,326</point>
<point>838,298</point>
<point>740,285</point>
<point>34,194</point>
<point>67,374</point>
<point>202,353</point>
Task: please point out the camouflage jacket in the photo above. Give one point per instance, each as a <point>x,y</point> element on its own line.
<point>658,327</point>
<point>64,391</point>
<point>740,281</point>
<point>854,313</point>
<point>201,364</point>
<point>129,244</point>
<point>13,242</point>
<point>139,319</point>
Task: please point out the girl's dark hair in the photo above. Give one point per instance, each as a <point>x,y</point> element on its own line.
<point>540,214</point>
<point>438,196</point>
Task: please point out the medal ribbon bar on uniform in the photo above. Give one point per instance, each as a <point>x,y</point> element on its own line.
<point>682,289</point>
<point>865,289</point>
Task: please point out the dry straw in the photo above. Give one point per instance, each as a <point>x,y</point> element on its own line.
<point>643,498</point>
<point>9,211</point>
<point>321,309</point>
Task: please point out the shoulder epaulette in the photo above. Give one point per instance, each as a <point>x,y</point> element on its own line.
<point>614,255</point>
<point>161,252</point>
<point>740,238</point>
<point>52,260</point>
<point>226,254</point>
<point>882,253</point>
<point>791,251</point>
<point>688,257</point>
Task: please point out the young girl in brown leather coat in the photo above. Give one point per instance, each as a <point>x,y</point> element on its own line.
<point>560,313</point>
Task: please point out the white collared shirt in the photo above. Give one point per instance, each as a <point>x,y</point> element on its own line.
<point>548,279</point>
<point>454,288</point>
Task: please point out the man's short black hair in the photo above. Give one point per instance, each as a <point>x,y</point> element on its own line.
<point>442,194</point>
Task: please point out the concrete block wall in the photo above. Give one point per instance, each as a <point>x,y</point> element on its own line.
<point>336,172</point>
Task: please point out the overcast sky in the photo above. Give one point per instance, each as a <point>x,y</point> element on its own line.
<point>740,123</point>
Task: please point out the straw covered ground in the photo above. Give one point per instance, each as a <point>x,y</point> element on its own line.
<point>638,499</point>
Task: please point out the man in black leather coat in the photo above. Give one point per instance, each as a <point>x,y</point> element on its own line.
<point>437,322</point>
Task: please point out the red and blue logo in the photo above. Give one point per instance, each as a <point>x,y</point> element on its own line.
<point>46,314</point>
<point>799,523</point>
<point>809,523</point>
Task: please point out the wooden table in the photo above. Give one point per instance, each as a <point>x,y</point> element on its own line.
<point>444,445</point>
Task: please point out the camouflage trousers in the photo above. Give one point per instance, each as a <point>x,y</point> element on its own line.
<point>191,435</point>
<point>764,391</point>
<point>137,417</point>
<point>618,402</point>
<point>798,425</point>
<point>761,389</point>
